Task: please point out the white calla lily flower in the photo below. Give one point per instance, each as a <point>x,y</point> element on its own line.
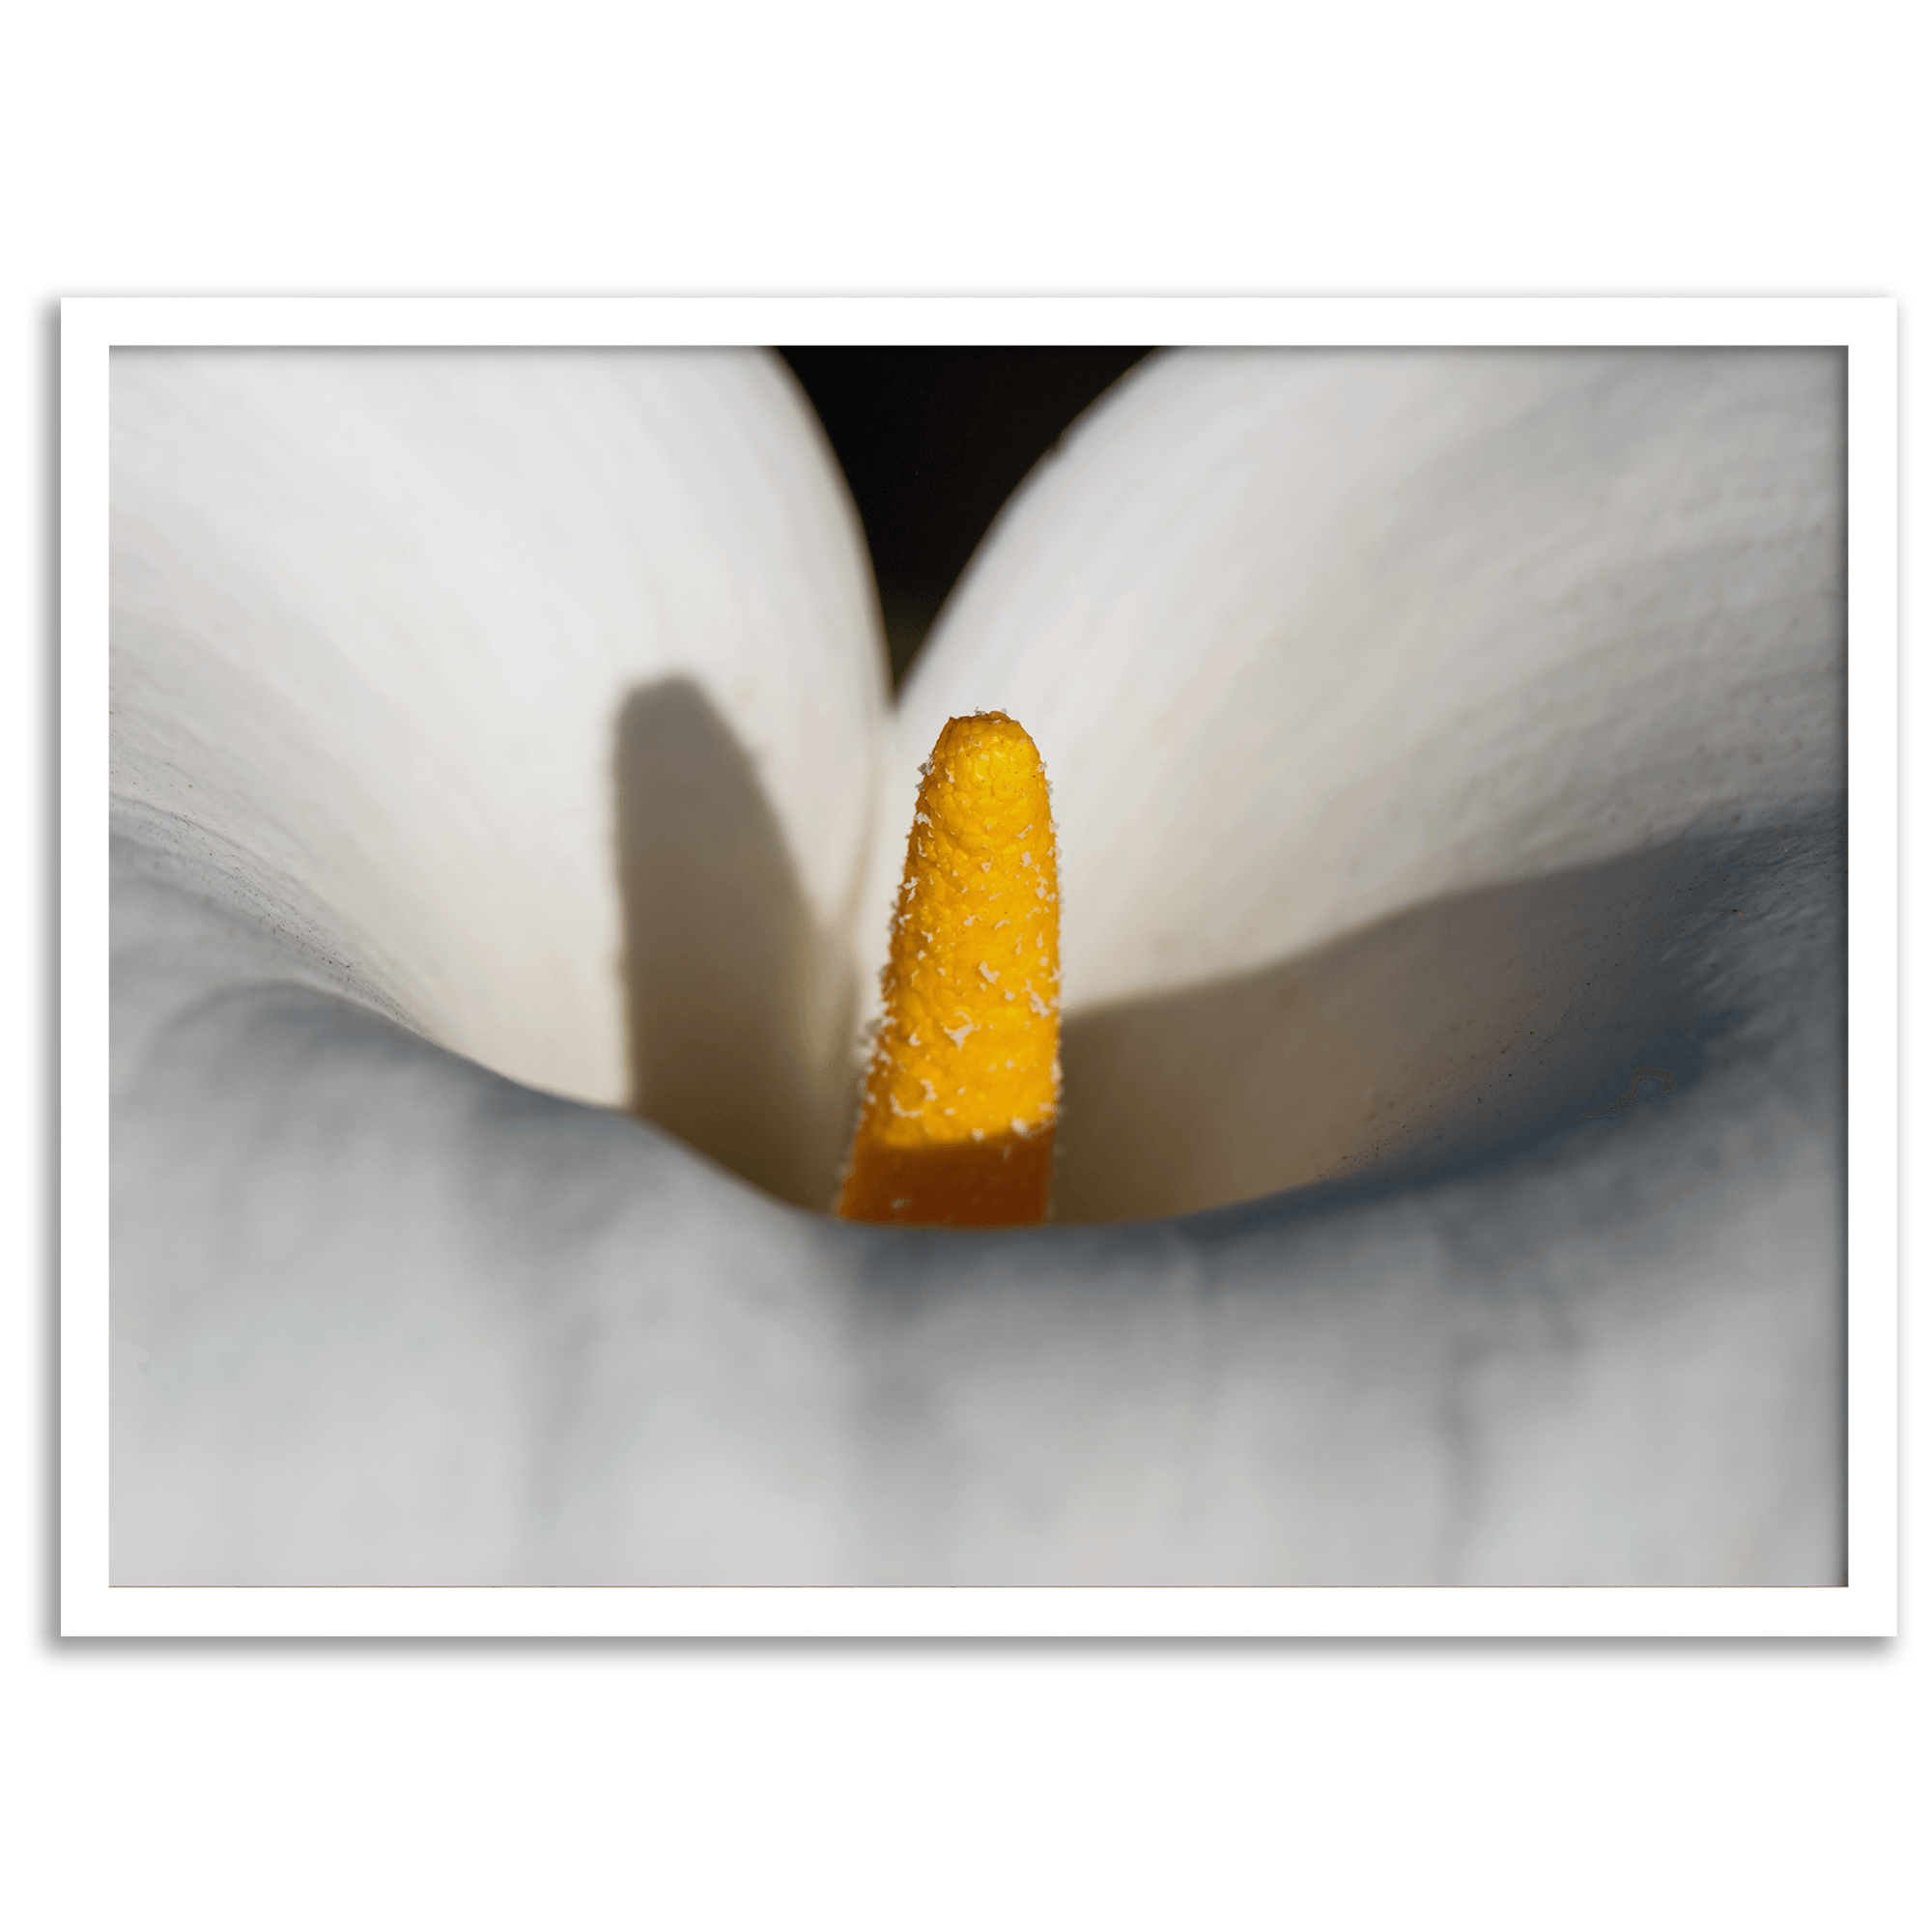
<point>1447,753</point>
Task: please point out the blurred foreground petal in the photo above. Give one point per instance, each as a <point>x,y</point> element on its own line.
<point>396,1319</point>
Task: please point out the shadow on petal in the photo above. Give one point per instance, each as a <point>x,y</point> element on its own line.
<point>1449,1033</point>
<point>739,1011</point>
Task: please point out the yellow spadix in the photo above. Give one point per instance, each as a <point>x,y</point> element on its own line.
<point>963,1091</point>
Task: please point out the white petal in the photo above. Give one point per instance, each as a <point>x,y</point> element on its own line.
<point>1348,668</point>
<point>399,1320</point>
<point>451,668</point>
<point>392,1317</point>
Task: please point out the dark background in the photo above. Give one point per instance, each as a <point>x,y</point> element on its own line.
<point>933,442</point>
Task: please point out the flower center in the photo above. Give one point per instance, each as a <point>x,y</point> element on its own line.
<point>963,1091</point>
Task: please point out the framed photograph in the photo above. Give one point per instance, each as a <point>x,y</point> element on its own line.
<point>1076,967</point>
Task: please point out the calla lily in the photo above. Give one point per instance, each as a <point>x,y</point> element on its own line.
<point>1447,753</point>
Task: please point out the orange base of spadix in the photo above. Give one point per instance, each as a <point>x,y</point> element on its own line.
<point>987,1183</point>
<point>963,1091</point>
